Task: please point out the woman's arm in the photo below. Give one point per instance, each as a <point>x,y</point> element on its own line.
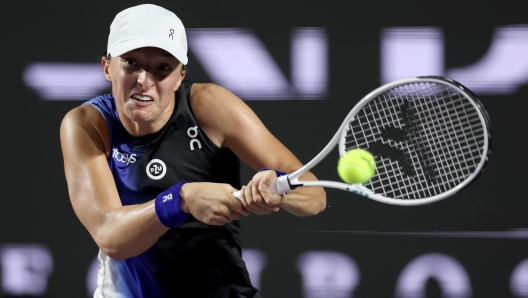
<point>125,231</point>
<point>229,122</point>
<point>120,231</point>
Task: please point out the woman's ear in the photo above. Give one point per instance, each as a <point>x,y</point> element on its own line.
<point>183,72</point>
<point>105,63</point>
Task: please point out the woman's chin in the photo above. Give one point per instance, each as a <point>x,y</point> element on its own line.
<point>141,116</point>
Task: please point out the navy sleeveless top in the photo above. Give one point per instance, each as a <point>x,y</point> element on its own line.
<point>192,259</point>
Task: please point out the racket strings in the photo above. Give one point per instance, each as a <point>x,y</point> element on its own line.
<point>427,138</point>
<point>425,135</point>
<point>430,159</point>
<point>433,133</point>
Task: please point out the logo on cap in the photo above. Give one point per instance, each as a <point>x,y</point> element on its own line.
<point>171,34</point>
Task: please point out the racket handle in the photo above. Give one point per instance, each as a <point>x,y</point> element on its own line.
<point>280,186</point>
<point>237,194</point>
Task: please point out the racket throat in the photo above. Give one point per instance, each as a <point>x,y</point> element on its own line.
<point>283,185</point>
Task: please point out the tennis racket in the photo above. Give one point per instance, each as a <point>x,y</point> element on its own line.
<point>430,137</point>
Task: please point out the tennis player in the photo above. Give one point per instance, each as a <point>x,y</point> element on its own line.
<point>151,169</point>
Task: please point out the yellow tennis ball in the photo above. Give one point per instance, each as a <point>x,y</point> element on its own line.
<point>356,166</point>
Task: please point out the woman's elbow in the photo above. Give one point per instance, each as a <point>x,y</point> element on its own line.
<point>115,253</point>
<point>110,248</point>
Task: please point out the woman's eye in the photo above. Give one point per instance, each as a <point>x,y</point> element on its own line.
<point>129,61</point>
<point>164,67</point>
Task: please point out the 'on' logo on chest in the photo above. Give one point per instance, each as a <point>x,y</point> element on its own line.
<point>192,132</point>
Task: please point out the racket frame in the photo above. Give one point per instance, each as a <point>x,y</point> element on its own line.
<point>291,181</point>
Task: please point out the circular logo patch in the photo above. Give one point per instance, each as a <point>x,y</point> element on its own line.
<point>156,169</point>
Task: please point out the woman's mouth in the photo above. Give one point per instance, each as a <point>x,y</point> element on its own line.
<point>141,98</point>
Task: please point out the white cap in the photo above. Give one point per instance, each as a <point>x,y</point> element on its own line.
<point>147,25</point>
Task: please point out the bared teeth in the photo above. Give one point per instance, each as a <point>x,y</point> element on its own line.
<point>142,98</point>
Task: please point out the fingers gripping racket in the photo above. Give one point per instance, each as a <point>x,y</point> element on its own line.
<point>430,137</point>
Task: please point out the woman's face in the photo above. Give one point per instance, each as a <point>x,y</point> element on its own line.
<point>143,84</point>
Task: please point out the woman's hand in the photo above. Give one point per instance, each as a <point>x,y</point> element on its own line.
<point>211,203</point>
<point>257,197</point>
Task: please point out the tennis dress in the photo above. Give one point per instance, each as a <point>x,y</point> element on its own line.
<point>193,259</point>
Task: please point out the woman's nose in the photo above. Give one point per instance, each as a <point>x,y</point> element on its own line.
<point>145,79</point>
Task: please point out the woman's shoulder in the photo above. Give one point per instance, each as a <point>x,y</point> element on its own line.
<point>83,115</point>
<point>217,110</point>
<point>206,91</point>
<point>86,118</point>
<point>213,96</point>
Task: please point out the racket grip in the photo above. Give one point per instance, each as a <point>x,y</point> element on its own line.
<point>237,194</point>
<point>280,186</point>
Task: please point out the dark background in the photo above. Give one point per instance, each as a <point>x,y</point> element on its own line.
<point>35,204</point>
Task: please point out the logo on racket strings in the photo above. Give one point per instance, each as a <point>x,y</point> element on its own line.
<point>156,169</point>
<point>413,148</point>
